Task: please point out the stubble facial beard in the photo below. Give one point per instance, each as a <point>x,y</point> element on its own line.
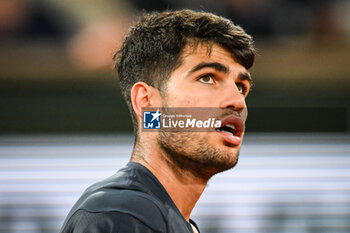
<point>191,152</point>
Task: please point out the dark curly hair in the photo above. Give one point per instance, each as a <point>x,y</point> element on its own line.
<point>153,47</point>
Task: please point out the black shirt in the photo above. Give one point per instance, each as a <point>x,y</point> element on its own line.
<point>131,201</point>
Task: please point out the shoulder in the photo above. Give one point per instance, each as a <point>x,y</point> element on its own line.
<point>117,209</point>
<point>132,202</point>
<point>114,222</point>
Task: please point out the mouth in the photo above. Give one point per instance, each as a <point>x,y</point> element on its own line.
<point>231,129</point>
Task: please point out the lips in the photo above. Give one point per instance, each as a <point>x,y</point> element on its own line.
<point>231,129</point>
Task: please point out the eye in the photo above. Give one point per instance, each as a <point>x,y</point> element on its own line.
<point>242,88</point>
<point>207,79</point>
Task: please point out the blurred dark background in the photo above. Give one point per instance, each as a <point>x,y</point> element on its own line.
<point>55,63</point>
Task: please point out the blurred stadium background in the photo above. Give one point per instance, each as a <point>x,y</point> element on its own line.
<point>64,125</point>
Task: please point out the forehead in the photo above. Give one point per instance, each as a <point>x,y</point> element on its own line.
<point>192,55</point>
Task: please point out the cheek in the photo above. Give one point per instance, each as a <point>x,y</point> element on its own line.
<point>185,96</point>
<point>183,100</point>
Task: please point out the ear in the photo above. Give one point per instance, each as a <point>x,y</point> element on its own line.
<point>143,95</point>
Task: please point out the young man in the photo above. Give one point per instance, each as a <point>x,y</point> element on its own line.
<point>171,59</point>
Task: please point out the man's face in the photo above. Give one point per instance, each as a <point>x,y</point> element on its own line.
<point>205,79</point>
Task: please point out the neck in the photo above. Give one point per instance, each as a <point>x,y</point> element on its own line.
<point>183,188</point>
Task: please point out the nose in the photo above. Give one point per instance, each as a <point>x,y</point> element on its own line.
<point>232,98</point>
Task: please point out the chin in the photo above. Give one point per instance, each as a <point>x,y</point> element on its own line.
<point>201,155</point>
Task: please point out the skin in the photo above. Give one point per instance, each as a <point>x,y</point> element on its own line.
<point>192,84</point>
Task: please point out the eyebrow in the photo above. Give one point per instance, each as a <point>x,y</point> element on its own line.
<point>246,76</point>
<point>217,66</point>
<point>224,69</point>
